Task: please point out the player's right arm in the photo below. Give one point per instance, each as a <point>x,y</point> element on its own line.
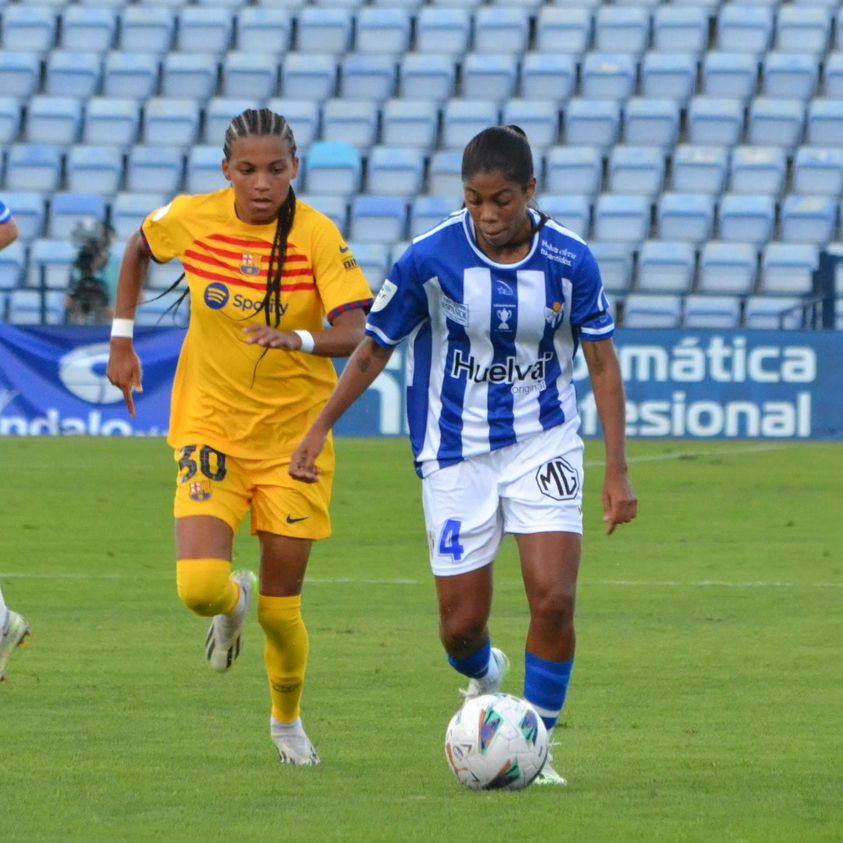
<point>124,366</point>
<point>8,227</point>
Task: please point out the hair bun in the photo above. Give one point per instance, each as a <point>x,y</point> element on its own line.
<point>517,129</point>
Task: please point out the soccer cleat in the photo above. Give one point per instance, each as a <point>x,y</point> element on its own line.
<point>225,635</point>
<point>549,776</point>
<point>13,634</point>
<point>293,745</point>
<point>477,687</point>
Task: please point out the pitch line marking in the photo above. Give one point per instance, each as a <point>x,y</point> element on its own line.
<point>679,455</point>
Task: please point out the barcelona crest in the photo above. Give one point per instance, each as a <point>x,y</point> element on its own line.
<point>248,265</point>
<point>200,490</point>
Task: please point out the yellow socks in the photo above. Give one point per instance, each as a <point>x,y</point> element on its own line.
<point>205,586</point>
<point>285,653</point>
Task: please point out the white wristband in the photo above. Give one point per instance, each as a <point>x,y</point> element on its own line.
<point>308,344</point>
<point>123,328</point>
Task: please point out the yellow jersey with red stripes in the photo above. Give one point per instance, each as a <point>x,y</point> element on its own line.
<point>229,394</point>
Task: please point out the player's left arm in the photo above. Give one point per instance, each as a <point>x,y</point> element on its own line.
<point>339,340</point>
<point>8,228</point>
<point>620,505</point>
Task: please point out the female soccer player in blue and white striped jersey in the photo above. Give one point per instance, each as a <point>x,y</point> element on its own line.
<point>494,302</point>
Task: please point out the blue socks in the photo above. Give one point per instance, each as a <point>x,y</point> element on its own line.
<point>476,666</point>
<point>546,686</point>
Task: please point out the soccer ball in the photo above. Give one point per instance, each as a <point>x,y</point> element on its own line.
<point>496,742</point>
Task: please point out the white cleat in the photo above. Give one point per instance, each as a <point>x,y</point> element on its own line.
<point>293,745</point>
<point>13,635</point>
<point>478,687</point>
<point>549,776</point>
<point>225,635</point>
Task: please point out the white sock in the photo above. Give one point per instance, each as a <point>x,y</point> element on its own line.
<point>4,612</point>
<point>289,730</point>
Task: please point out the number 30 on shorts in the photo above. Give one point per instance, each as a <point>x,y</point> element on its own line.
<point>449,541</point>
<point>211,463</point>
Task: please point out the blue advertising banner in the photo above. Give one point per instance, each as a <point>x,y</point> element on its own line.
<point>680,384</point>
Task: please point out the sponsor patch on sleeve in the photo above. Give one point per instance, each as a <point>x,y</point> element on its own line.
<point>384,297</point>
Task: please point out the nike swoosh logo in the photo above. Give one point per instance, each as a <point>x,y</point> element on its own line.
<point>296,520</point>
<point>344,249</point>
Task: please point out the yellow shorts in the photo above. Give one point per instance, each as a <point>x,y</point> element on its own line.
<point>211,483</point>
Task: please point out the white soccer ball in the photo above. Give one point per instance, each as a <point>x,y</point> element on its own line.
<point>496,742</point>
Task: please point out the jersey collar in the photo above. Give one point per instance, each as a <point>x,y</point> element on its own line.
<point>471,236</point>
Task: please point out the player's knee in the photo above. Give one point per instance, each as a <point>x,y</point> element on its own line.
<point>554,609</point>
<point>202,588</point>
<point>461,630</point>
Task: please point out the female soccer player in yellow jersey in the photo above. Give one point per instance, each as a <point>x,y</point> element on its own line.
<point>260,266</point>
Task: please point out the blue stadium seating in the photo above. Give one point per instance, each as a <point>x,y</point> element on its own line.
<point>323,30</point>
<point>29,28</point>
<point>160,312</point>
<point>721,312</point>
<point>548,77</point>
<point>428,211</point>
<point>825,122</point>
<point>12,266</point>
<point>748,219</point>
<point>372,258</point>
<point>189,75</point>
<point>699,169</point>
<point>665,267</point>
<point>407,122</point>
<point>489,77</point>
<point>264,31</point>
<point>443,30</point>
<point>350,121</point>
<point>669,75</point>
<point>620,29</point>
<point>87,29</point>
<point>743,28</point>
<point>649,311</point>
<point>726,74</point>
<point>787,268</point>
<point>728,267</point>
<point>26,307</point>
<point>818,171</point>
<point>154,169</point>
<point>502,30</point>
<point>685,216</point>
<point>130,75</point>
<point>790,75</point>
<point>19,74</point>
<point>620,217</point>
<point>776,122</point>
<point>129,210</point>
<point>651,122</point>
<point>146,30</point>
<point>616,262</point>
<point>808,219</point>
<point>204,173</point>
<point>50,261</point>
<point>608,75</point>
<point>29,213</point>
<point>378,219</point>
<point>427,77</point>
<point>716,121</point>
<point>540,120</point>
<point>368,77</point>
<point>334,207</point>
<point>110,122</point>
<point>395,171</point>
<point>681,29</point>
<point>445,174</point>
<point>802,29</point>
<point>572,211</point>
<point>560,29</point>
<point>71,74</point>
<point>94,169</point>
<point>204,30</point>
<point>33,167</point>
<point>67,209</point>
<point>771,313</point>
<point>834,76</point>
<point>53,120</point>
<point>250,75</point>
<point>170,122</point>
<point>333,168</point>
<point>591,122</point>
<point>758,169</point>
<point>636,169</point>
<point>383,31</point>
<point>309,77</point>
<point>463,119</point>
<point>10,118</point>
<point>303,116</point>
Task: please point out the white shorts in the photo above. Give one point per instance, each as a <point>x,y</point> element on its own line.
<point>534,486</point>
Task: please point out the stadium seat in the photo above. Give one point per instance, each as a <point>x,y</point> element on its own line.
<point>250,75</point>
<point>548,77</point>
<point>146,30</point>
<point>427,77</point>
<point>204,172</point>
<point>616,262</point>
<point>129,210</point>
<point>833,88</point>
<point>818,171</point>
<point>680,29</point>
<point>20,74</point>
<point>427,212</point>
<point>171,122</point>
<point>33,167</point>
<point>790,75</point>
<point>743,28</point>
<point>189,76</point>
<point>94,169</point>
<point>772,313</point>
<point>372,259</point>
<point>699,169</point>
<point>130,75</point>
<point>803,29</point>
<point>31,307</point>
<point>10,116</point>
<point>651,122</point>
<point>758,169</point>
<point>501,30</point>
<point>407,122</point>
<point>732,75</point>
<point>620,29</point>
<point>68,209</point>
<point>351,121</point>
<point>788,268</point>
<point>29,28</point>
<point>110,122</point>
<point>808,219</point>
<point>728,267</point>
<point>669,75</point>
<point>445,175</point>
<point>323,30</point>
<point>721,312</point>
<point>154,169</point>
<point>591,122</point>
<point>407,5</point>
<point>50,262</point>
<point>748,219</point>
<point>88,30</point>
<point>72,74</point>
<point>618,217</point>
<point>463,119</point>
<point>685,216</point>
<point>825,122</point>
<point>490,77</point>
<point>636,169</point>
<point>776,122</point>
<point>161,312</point>
<point>351,5</point>
<point>665,267</point>
<point>564,30</point>
<point>608,76</point>
<point>540,120</point>
<point>265,31</point>
<point>333,168</point>
<point>715,121</point>
<point>29,213</point>
<point>302,115</point>
<point>204,30</point>
<point>395,171</point>
<point>333,207</point>
<point>307,77</point>
<point>12,265</point>
<point>574,212</point>
<point>378,219</point>
<point>443,30</point>
<point>648,311</point>
<point>368,77</point>
<point>383,31</point>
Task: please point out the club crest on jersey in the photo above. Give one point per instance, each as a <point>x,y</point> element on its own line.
<point>554,314</point>
<point>199,490</point>
<point>248,266</point>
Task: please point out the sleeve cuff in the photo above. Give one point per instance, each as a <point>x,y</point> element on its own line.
<point>380,337</point>
<point>360,304</point>
<point>148,247</point>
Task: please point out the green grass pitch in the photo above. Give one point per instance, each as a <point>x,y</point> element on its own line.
<point>706,701</point>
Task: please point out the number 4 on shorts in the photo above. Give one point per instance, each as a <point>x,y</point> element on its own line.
<point>449,543</point>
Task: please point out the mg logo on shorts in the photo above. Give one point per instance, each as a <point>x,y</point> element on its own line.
<point>558,479</point>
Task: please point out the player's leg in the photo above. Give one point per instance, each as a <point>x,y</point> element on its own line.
<point>13,632</point>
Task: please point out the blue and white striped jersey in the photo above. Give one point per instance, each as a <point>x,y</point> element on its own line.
<point>491,345</point>
<point>5,213</point>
